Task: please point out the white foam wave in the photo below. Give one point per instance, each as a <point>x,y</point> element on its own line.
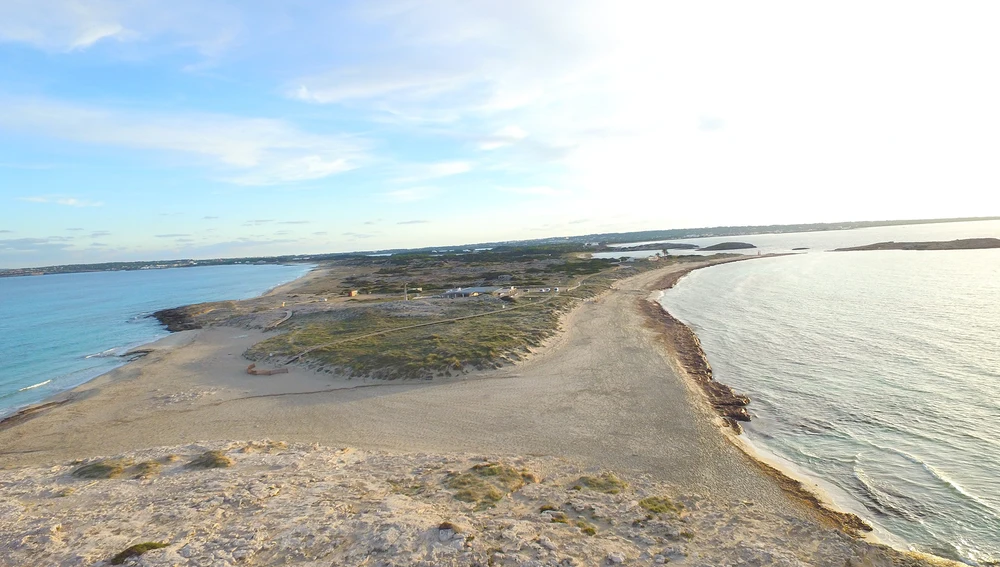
<point>105,353</point>
<point>33,386</point>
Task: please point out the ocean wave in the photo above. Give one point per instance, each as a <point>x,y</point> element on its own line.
<point>956,487</point>
<point>111,352</point>
<point>33,386</point>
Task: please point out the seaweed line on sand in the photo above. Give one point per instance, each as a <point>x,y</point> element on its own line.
<point>684,346</point>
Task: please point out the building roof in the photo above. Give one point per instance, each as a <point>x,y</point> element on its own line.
<point>471,290</point>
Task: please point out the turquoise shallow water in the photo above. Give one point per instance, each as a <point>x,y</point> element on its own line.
<point>876,373</point>
<point>58,331</point>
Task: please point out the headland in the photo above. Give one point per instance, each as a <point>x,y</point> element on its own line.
<point>590,446</point>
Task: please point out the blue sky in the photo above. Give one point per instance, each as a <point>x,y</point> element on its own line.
<point>151,129</point>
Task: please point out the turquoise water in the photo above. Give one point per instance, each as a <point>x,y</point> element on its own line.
<point>58,331</point>
<point>876,373</point>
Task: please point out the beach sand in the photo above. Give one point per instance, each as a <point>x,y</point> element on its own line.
<point>603,395</point>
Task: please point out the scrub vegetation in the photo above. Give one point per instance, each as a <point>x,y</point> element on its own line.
<point>387,318</point>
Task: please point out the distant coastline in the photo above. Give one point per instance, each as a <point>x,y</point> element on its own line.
<point>592,240</point>
<point>960,244</point>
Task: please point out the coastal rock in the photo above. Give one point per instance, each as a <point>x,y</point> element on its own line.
<point>177,319</point>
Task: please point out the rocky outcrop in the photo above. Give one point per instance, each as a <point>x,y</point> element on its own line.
<point>177,319</point>
<point>686,347</point>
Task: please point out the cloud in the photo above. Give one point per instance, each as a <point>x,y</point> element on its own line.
<point>710,124</point>
<point>74,228</point>
<point>505,136</point>
<point>6,231</point>
<point>243,151</point>
<point>66,201</point>
<point>99,234</point>
<point>39,245</point>
<point>414,222</point>
<point>173,235</point>
<point>410,195</point>
<point>542,190</point>
<point>294,222</point>
<point>257,222</point>
<point>209,218</point>
<point>76,25</point>
<point>578,221</point>
<point>416,172</point>
<point>358,235</point>
<point>321,233</point>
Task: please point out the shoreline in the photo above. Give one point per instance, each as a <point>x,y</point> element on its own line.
<point>27,411</point>
<point>686,350</point>
<point>599,396</point>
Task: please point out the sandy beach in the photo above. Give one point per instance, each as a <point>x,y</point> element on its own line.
<point>604,395</point>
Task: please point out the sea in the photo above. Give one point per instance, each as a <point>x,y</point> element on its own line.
<point>874,374</point>
<point>58,331</point>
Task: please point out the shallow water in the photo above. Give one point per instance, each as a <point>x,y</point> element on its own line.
<point>875,372</point>
<point>58,331</point>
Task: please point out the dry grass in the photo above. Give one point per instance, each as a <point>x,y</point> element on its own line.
<point>210,460</point>
<point>486,484</point>
<point>661,505</point>
<point>103,469</point>
<point>606,483</point>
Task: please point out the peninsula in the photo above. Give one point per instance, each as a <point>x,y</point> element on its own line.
<point>961,244</point>
<point>488,428</point>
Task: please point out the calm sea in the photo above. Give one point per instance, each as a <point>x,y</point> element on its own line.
<point>875,373</point>
<point>58,331</point>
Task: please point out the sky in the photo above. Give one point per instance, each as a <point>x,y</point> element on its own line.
<point>148,129</point>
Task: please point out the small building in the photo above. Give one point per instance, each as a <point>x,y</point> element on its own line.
<point>352,293</point>
<point>471,292</point>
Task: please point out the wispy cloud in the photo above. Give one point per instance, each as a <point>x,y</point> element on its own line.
<point>72,25</point>
<point>172,235</point>
<point>410,195</point>
<point>414,222</point>
<point>257,222</point>
<point>294,222</point>
<point>27,245</point>
<point>358,235</point>
<point>506,136</point>
<point>543,190</point>
<point>416,172</point>
<point>6,232</point>
<point>66,201</point>
<point>209,218</point>
<point>244,151</point>
<point>99,233</point>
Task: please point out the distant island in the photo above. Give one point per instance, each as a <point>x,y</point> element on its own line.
<point>962,244</point>
<point>728,246</point>
<point>656,246</point>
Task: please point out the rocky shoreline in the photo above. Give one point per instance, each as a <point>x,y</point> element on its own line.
<point>684,344</point>
<point>686,348</point>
